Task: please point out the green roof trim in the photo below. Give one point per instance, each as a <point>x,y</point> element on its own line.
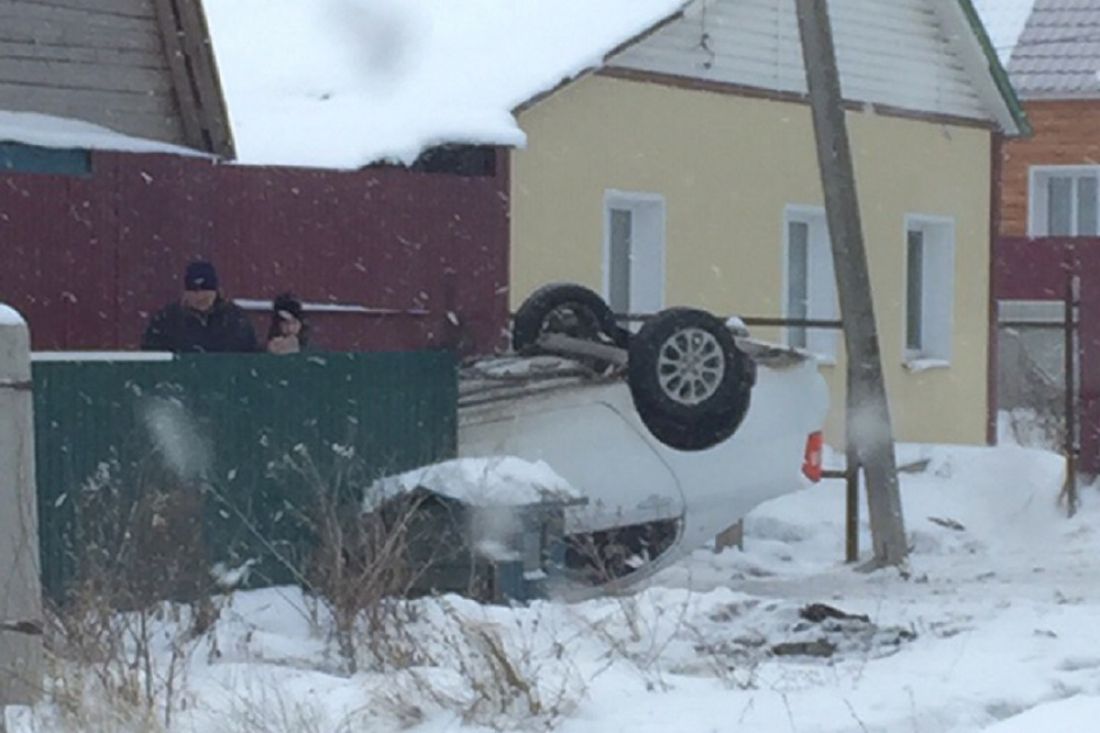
<point>997,69</point>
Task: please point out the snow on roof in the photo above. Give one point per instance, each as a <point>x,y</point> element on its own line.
<point>494,481</point>
<point>344,83</point>
<point>1004,21</point>
<point>47,131</point>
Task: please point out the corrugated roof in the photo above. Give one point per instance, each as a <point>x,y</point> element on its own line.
<point>1051,48</point>
<point>1058,54</point>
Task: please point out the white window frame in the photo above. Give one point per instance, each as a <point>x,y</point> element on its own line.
<point>823,304</point>
<point>937,315</point>
<point>1037,211</point>
<point>642,205</point>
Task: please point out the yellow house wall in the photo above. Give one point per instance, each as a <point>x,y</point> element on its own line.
<point>727,167</point>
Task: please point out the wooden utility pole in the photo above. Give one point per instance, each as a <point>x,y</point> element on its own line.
<point>870,429</point>
<point>21,651</point>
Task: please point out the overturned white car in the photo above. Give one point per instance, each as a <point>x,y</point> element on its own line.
<point>672,433</point>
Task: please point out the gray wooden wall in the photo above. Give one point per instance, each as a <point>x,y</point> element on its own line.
<point>102,61</point>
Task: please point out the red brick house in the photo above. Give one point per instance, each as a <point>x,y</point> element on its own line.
<point>1047,195</point>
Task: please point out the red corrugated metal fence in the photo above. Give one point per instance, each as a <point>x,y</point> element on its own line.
<point>88,259</point>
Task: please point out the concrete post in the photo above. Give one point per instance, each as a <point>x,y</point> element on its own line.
<point>869,423</point>
<point>21,652</point>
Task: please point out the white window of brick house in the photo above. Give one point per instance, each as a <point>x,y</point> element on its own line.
<point>1064,201</point>
<point>929,290</point>
<point>809,285</point>
<point>634,251</point>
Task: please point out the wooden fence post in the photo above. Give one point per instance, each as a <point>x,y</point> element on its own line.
<point>1072,446</point>
<point>21,652</point>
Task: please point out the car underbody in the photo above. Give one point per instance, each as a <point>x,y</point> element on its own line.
<point>647,503</point>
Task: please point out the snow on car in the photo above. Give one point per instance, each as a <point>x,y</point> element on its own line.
<point>673,433</point>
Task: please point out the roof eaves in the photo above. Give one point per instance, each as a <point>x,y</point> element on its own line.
<point>997,70</point>
<point>1054,95</point>
<point>195,76</point>
<point>638,38</point>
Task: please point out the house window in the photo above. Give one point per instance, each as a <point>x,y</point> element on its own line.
<point>1065,201</point>
<point>810,289</point>
<point>634,252</point>
<point>929,288</point>
<point>19,158</point>
<point>458,160</point>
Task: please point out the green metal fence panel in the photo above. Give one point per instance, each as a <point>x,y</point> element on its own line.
<point>171,468</point>
<point>33,159</point>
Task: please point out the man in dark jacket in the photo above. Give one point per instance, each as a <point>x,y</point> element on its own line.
<point>201,320</point>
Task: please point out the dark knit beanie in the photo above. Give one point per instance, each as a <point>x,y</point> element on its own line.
<point>288,303</point>
<point>200,275</point>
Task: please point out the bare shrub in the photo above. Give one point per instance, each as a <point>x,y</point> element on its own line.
<point>645,626</point>
<point>118,671</point>
<point>725,660</point>
<point>259,706</point>
<point>362,563</point>
<point>366,570</point>
<point>137,538</point>
<point>118,650</point>
<point>488,674</point>
<point>640,632</point>
<point>120,654</point>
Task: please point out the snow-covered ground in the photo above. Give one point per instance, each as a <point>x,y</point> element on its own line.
<point>993,627</point>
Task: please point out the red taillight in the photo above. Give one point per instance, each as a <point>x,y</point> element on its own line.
<point>811,465</point>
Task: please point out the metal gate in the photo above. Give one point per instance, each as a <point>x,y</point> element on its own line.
<point>1038,373</point>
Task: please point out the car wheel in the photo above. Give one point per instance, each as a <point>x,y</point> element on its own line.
<point>572,310</point>
<point>690,383</point>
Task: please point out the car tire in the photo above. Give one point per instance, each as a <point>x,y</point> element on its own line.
<point>565,308</point>
<point>690,383</point>
<point>691,435</point>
